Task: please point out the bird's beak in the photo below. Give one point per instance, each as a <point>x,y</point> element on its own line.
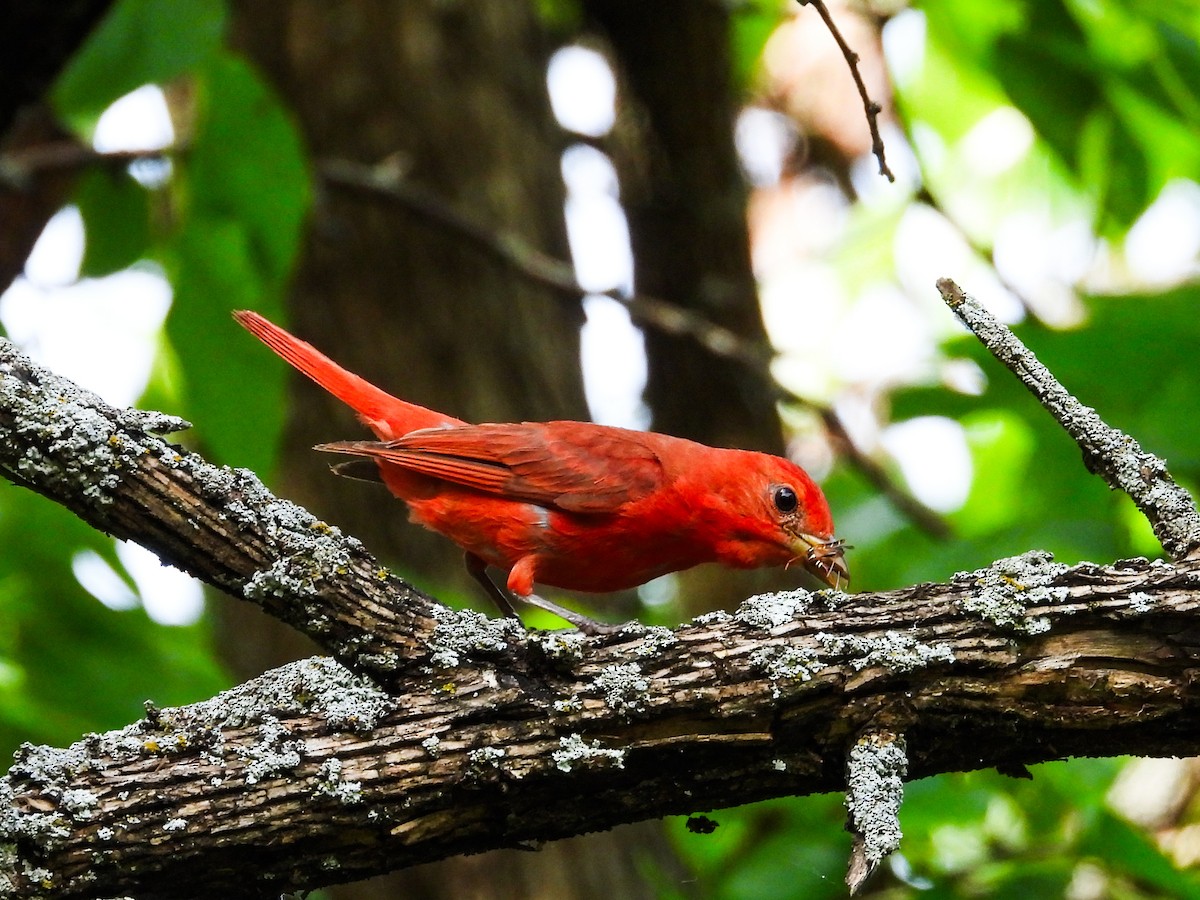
<point>823,558</point>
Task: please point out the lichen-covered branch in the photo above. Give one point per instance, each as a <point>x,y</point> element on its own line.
<point>1107,452</point>
<point>875,770</point>
<point>110,467</point>
<point>320,777</point>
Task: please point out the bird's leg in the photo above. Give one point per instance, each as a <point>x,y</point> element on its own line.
<point>590,627</point>
<point>477,568</point>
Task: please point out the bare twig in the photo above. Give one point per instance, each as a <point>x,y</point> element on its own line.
<point>870,107</point>
<point>540,268</point>
<point>18,168</point>
<point>1113,455</point>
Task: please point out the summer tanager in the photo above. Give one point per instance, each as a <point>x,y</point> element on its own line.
<point>573,504</point>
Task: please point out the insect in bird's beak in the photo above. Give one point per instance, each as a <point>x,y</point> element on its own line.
<point>823,558</point>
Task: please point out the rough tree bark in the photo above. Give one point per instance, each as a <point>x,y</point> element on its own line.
<point>438,732</point>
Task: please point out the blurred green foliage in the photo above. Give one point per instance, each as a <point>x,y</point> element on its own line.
<point>1111,90</point>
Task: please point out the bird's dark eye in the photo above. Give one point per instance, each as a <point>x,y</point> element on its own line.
<point>785,499</point>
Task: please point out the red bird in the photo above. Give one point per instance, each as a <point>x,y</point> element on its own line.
<point>573,504</point>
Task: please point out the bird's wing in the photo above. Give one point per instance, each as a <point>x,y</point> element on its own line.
<point>573,466</point>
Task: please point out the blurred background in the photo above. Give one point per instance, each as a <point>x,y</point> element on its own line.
<point>406,183</point>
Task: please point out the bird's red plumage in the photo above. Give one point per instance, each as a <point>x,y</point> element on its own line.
<point>574,504</point>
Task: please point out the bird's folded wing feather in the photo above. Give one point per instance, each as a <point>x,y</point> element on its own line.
<point>572,466</point>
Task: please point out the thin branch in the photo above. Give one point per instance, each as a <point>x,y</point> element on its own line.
<point>870,107</point>
<point>1113,455</point>
<point>917,512</point>
<point>385,181</point>
<point>19,168</point>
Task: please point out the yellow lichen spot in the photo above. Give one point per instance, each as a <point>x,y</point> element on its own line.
<point>181,741</point>
<point>151,746</point>
<point>1012,582</point>
<point>114,440</point>
<point>449,687</point>
<point>321,527</point>
<point>382,573</point>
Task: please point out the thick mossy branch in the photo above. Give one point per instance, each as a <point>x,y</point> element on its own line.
<point>320,777</point>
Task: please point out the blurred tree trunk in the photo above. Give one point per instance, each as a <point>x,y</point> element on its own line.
<point>453,94</point>
<point>685,198</point>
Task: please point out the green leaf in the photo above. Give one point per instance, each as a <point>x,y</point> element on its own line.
<point>245,196</point>
<point>751,24</point>
<point>139,42</point>
<point>115,211</point>
<point>68,664</point>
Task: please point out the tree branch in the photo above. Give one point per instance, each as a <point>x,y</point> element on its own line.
<point>322,778</point>
<point>219,524</point>
<point>483,736</point>
<point>1107,452</point>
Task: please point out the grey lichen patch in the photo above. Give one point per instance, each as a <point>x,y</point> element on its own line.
<point>655,639</point>
<point>715,617</point>
<point>485,759</point>
<point>67,437</point>
<point>310,558</point>
<point>875,773</point>
<point>78,803</point>
<point>27,826</point>
<point>153,422</point>
<point>895,651</point>
<point>466,633</point>
<point>834,599</point>
<point>331,782</point>
<point>433,746</point>
<point>1010,587</point>
<point>567,705</point>
<point>175,824</point>
<point>560,646</point>
<point>574,751</point>
<point>786,664</point>
<point>772,610</point>
<point>623,686</point>
<point>317,686</point>
<point>275,752</point>
<point>1141,602</point>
